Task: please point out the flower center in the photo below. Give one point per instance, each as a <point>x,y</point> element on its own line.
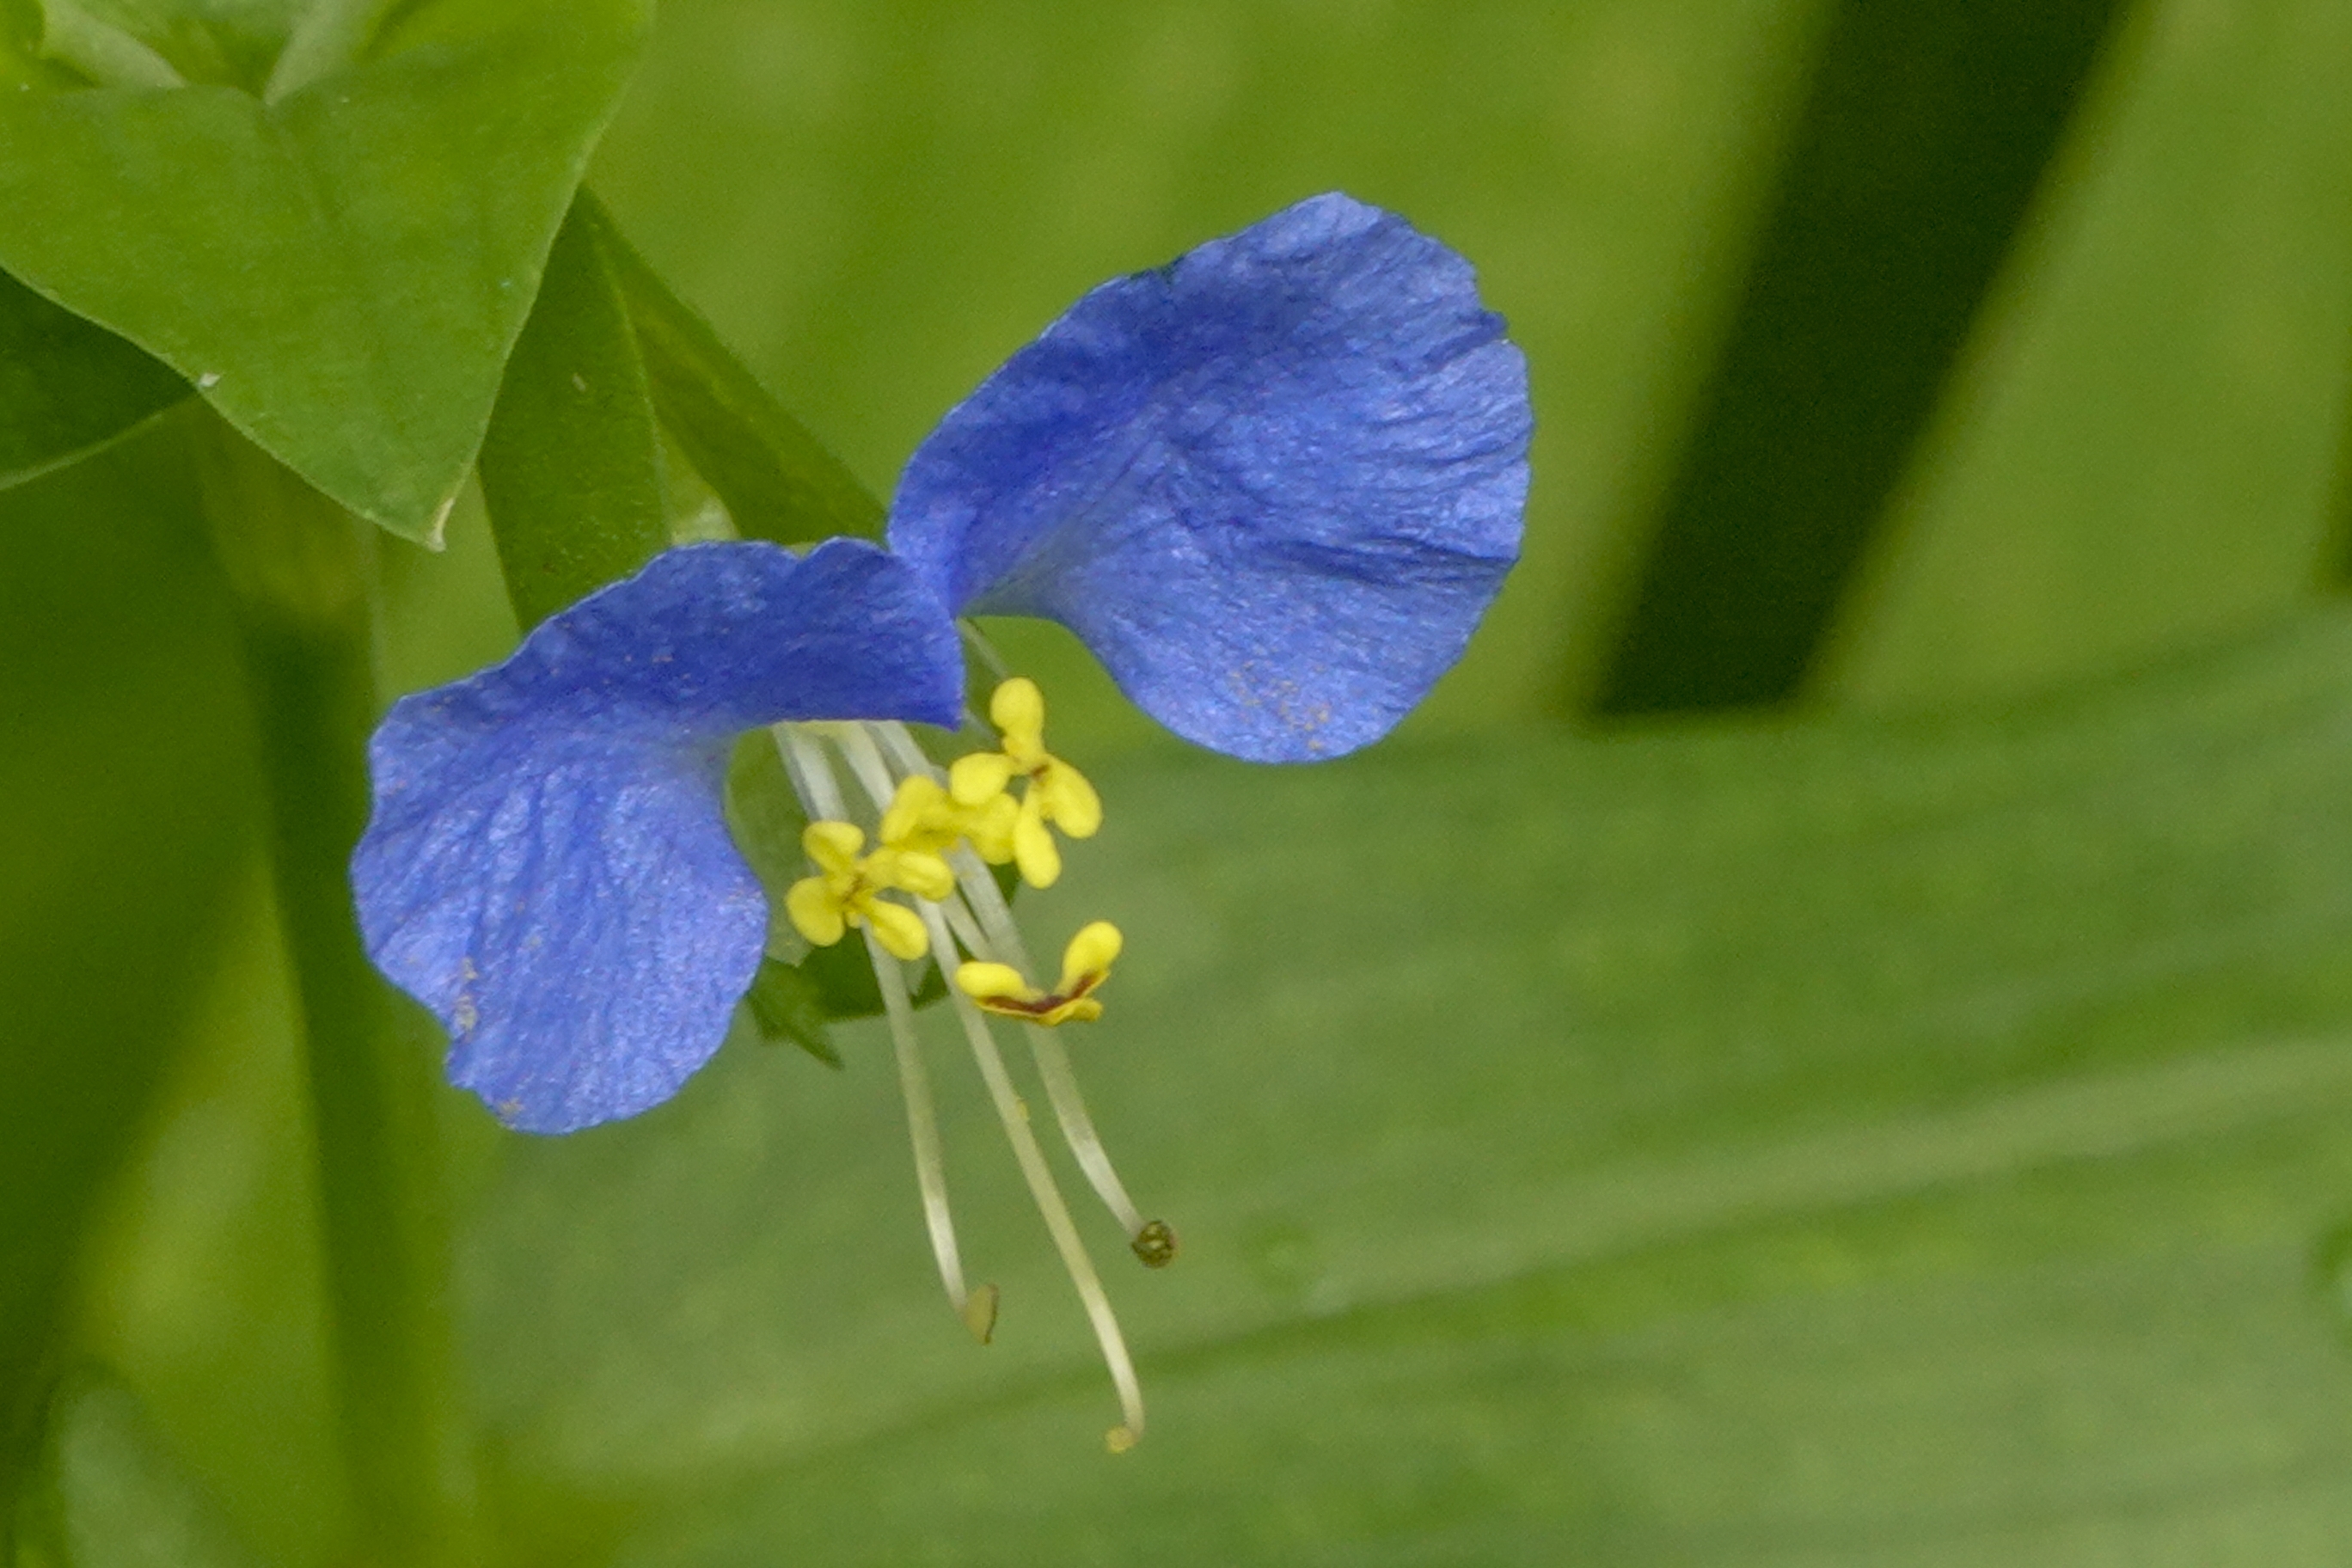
<point>935,836</point>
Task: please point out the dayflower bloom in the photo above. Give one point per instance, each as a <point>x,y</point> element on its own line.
<point>1273,486</point>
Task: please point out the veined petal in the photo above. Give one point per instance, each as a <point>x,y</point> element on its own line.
<point>1273,486</point>
<point>548,867</point>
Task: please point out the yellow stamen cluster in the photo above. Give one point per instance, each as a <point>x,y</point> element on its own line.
<point>1055,792</point>
<point>846,889</point>
<point>925,822</point>
<point>1085,964</point>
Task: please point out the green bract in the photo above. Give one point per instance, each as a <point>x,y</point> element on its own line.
<point>571,463</point>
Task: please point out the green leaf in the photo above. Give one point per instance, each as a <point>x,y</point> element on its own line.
<point>232,43</point>
<point>116,1497</point>
<point>123,815</point>
<point>787,1004</point>
<point>340,273</point>
<point>777,481</point>
<point>2139,452</point>
<point>1826,1144</point>
<point>840,979</point>
<point>21,67</point>
<point>571,465</point>
<point>1929,129</point>
<point>66,388</point>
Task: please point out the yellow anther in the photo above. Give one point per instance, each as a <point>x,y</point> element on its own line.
<point>898,928</point>
<point>1018,708</point>
<point>980,777</point>
<point>813,912</point>
<point>927,818</point>
<point>917,871</point>
<point>1057,793</point>
<point>845,890</point>
<point>989,828</point>
<point>917,817</point>
<point>1033,849</point>
<point>989,983</point>
<point>1085,964</point>
<point>1087,960</point>
<point>834,845</point>
<point>1067,799</point>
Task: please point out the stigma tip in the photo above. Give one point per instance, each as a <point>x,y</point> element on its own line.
<point>979,1313</point>
<point>1155,1245</point>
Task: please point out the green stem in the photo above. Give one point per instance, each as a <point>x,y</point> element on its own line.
<point>298,563</point>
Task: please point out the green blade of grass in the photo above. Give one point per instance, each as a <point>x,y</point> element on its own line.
<point>1910,174</point>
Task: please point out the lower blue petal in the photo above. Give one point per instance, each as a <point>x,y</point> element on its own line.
<point>1273,486</point>
<point>548,867</point>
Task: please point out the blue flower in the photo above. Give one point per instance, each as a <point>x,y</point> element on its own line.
<point>1273,486</point>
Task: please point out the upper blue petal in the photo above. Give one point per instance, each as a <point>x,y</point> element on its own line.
<point>1273,486</point>
<point>548,868</point>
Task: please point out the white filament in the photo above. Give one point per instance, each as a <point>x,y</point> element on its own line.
<point>812,777</point>
<point>1048,1195</point>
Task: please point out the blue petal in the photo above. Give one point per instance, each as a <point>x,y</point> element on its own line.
<point>1273,486</point>
<point>548,868</point>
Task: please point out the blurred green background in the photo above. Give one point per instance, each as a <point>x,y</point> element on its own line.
<point>1909,1127</point>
